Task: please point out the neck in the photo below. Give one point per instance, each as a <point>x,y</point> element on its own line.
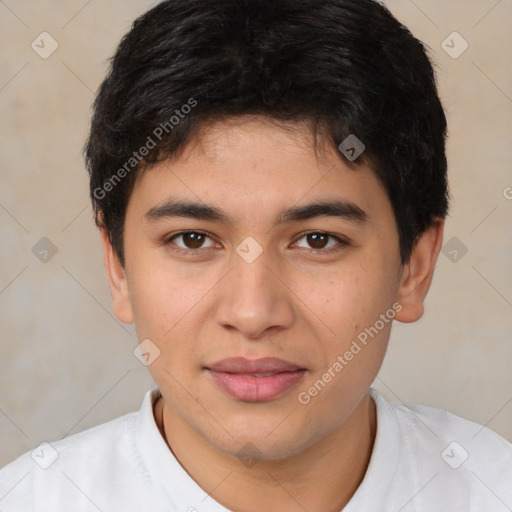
<point>324,477</point>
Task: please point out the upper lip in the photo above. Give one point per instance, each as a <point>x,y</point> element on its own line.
<point>250,366</point>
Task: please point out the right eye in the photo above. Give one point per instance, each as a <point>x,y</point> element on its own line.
<point>191,241</point>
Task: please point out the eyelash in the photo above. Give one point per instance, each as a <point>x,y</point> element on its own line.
<point>341,242</point>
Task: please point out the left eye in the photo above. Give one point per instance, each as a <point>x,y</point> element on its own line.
<point>320,241</point>
<point>191,240</point>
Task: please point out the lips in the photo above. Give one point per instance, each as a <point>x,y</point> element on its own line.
<point>256,380</point>
<point>240,365</point>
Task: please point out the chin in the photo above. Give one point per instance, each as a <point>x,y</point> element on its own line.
<point>270,442</point>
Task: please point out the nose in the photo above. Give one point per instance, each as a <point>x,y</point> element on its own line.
<point>254,299</point>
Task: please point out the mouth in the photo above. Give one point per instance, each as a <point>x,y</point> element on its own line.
<point>257,380</point>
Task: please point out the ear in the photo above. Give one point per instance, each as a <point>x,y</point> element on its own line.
<point>117,280</point>
<point>417,273</point>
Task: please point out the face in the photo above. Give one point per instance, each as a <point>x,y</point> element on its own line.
<point>268,276</point>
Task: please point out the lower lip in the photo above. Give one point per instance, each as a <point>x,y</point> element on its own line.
<point>256,389</point>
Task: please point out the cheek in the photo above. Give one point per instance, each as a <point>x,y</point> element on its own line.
<point>164,300</point>
<point>352,358</point>
<point>166,310</point>
<point>350,302</point>
<point>338,298</point>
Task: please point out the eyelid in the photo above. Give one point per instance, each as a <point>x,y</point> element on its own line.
<point>169,239</point>
<point>342,241</point>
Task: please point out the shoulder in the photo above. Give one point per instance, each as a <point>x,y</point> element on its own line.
<point>422,421</point>
<point>46,454</point>
<point>463,455</point>
<point>63,470</point>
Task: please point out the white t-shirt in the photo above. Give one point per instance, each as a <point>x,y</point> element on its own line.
<point>424,459</point>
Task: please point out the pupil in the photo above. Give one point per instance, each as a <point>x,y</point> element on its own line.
<point>314,239</point>
<point>194,239</point>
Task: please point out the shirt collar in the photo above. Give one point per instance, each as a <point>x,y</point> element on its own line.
<point>164,468</point>
<point>185,494</point>
<point>384,460</point>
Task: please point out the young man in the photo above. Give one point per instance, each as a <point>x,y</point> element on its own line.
<point>269,180</point>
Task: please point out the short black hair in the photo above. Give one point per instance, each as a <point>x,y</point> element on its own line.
<point>344,67</point>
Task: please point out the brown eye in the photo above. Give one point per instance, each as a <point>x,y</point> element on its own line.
<point>318,241</point>
<point>190,240</point>
<point>193,240</point>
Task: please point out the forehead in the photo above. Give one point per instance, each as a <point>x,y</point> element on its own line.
<point>256,165</point>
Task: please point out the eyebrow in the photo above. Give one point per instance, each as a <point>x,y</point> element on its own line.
<point>187,209</point>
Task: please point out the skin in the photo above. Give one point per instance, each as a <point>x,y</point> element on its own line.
<point>206,303</point>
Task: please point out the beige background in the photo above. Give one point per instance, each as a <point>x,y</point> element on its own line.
<point>66,364</point>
